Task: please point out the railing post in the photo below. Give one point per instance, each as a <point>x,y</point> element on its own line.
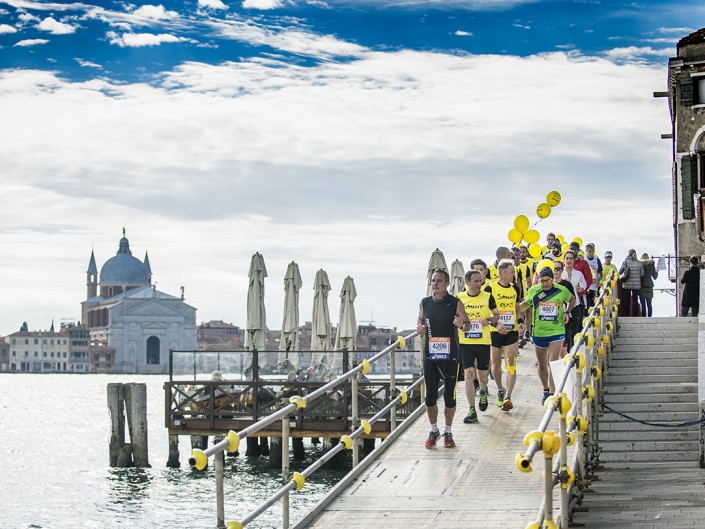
<point>548,488</point>
<point>285,467</point>
<point>393,389</point>
<point>346,360</point>
<point>355,420</point>
<point>580,435</point>
<point>219,475</point>
<point>565,499</point>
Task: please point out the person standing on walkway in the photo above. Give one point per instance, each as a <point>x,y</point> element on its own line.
<point>646,292</point>
<point>440,316</point>
<point>596,268</point>
<point>505,335</point>
<point>475,343</point>
<point>691,292</point>
<point>552,305</point>
<point>631,273</point>
<point>606,267</point>
<point>572,326</point>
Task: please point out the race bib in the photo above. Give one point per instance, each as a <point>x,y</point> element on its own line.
<point>439,348</point>
<point>507,318</point>
<point>475,329</point>
<point>548,311</point>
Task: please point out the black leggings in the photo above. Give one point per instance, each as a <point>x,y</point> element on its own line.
<point>631,299</point>
<point>646,309</point>
<point>433,372</point>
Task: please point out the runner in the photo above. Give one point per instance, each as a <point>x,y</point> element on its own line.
<point>502,253</point>
<point>549,322</point>
<point>481,266</point>
<point>550,239</point>
<point>525,274</point>
<point>606,267</point>
<point>570,328</point>
<point>505,335</point>
<point>439,314</point>
<point>482,311</point>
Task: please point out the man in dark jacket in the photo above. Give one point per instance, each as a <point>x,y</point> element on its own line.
<point>691,292</point>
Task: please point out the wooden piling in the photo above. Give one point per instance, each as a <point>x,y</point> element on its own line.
<point>136,411</point>
<point>275,452</point>
<point>297,444</point>
<point>117,422</point>
<point>173,461</point>
<point>264,446</point>
<point>252,447</point>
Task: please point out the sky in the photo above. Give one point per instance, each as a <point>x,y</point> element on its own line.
<point>356,136</point>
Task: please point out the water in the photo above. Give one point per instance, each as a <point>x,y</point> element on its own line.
<point>54,432</point>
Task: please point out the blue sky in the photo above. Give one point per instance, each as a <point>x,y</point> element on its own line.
<point>351,136</point>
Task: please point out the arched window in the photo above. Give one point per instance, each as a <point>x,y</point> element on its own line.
<point>153,350</point>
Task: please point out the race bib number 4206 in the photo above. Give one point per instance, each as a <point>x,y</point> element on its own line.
<point>439,348</point>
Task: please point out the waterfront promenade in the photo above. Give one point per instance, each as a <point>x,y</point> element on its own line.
<point>475,485</point>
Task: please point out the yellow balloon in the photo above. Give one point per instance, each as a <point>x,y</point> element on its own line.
<point>578,240</point>
<point>532,236</point>
<point>543,210</point>
<point>521,223</point>
<point>535,250</point>
<point>560,239</point>
<point>545,263</point>
<point>553,198</point>
<point>514,235</point>
<point>565,247</point>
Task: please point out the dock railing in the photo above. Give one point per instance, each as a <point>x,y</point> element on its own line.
<point>577,414</point>
<point>231,442</point>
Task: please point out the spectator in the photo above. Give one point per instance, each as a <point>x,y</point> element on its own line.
<point>631,273</point>
<point>691,292</point>
<point>646,293</point>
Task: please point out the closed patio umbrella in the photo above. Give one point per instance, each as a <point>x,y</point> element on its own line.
<point>457,277</point>
<point>289,339</point>
<point>256,329</point>
<point>347,322</point>
<point>437,261</point>
<point>320,323</point>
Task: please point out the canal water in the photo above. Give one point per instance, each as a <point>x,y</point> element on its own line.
<point>54,433</point>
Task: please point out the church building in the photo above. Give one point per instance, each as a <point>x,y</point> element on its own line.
<point>125,312</point>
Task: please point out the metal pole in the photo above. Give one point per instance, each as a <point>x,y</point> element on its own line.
<point>548,489</point>
<point>393,388</point>
<point>285,470</point>
<point>565,499</point>
<point>355,420</point>
<point>219,498</point>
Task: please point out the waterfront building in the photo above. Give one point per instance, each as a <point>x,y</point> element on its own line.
<point>39,351</point>
<point>132,325</point>
<point>4,355</point>
<point>686,97</point>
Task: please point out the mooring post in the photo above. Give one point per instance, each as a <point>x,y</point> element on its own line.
<point>297,443</point>
<point>136,407</point>
<point>173,461</point>
<point>117,421</point>
<point>286,430</point>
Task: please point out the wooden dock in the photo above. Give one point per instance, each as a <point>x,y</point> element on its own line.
<point>475,485</point>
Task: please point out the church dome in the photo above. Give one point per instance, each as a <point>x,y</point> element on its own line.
<point>124,269</point>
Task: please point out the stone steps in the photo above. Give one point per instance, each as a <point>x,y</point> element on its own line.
<point>649,355</point>
<point>634,455</point>
<point>662,434</point>
<point>648,397</point>
<point>622,346</point>
<point>632,408</point>
<point>632,379</point>
<point>635,389</point>
<point>649,363</point>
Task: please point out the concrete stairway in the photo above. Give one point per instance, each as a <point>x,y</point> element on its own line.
<point>650,477</point>
<point>652,376</point>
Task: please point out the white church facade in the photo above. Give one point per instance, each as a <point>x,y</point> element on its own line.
<point>126,313</point>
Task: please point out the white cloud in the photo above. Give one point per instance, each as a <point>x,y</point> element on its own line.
<point>6,28</point>
<point>262,4</point>
<point>335,166</point>
<point>632,53</point>
<point>461,33</point>
<point>87,64</point>
<point>27,18</point>
<point>31,42</point>
<point>155,12</point>
<point>55,27</point>
<point>212,4</point>
<point>680,32</point>
<point>138,40</point>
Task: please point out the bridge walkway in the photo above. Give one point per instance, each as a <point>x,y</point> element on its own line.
<point>475,485</point>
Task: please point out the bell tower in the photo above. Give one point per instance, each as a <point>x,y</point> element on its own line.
<point>92,278</point>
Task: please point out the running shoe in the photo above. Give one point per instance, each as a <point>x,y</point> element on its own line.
<point>501,393</point>
<point>477,385</point>
<point>448,440</point>
<point>432,438</point>
<point>507,405</point>
<point>483,400</point>
<point>471,417</point>
<point>546,394</point>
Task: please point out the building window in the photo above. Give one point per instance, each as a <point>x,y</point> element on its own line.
<point>153,350</point>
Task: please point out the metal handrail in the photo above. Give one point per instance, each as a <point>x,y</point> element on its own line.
<point>199,458</point>
<point>596,333</point>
